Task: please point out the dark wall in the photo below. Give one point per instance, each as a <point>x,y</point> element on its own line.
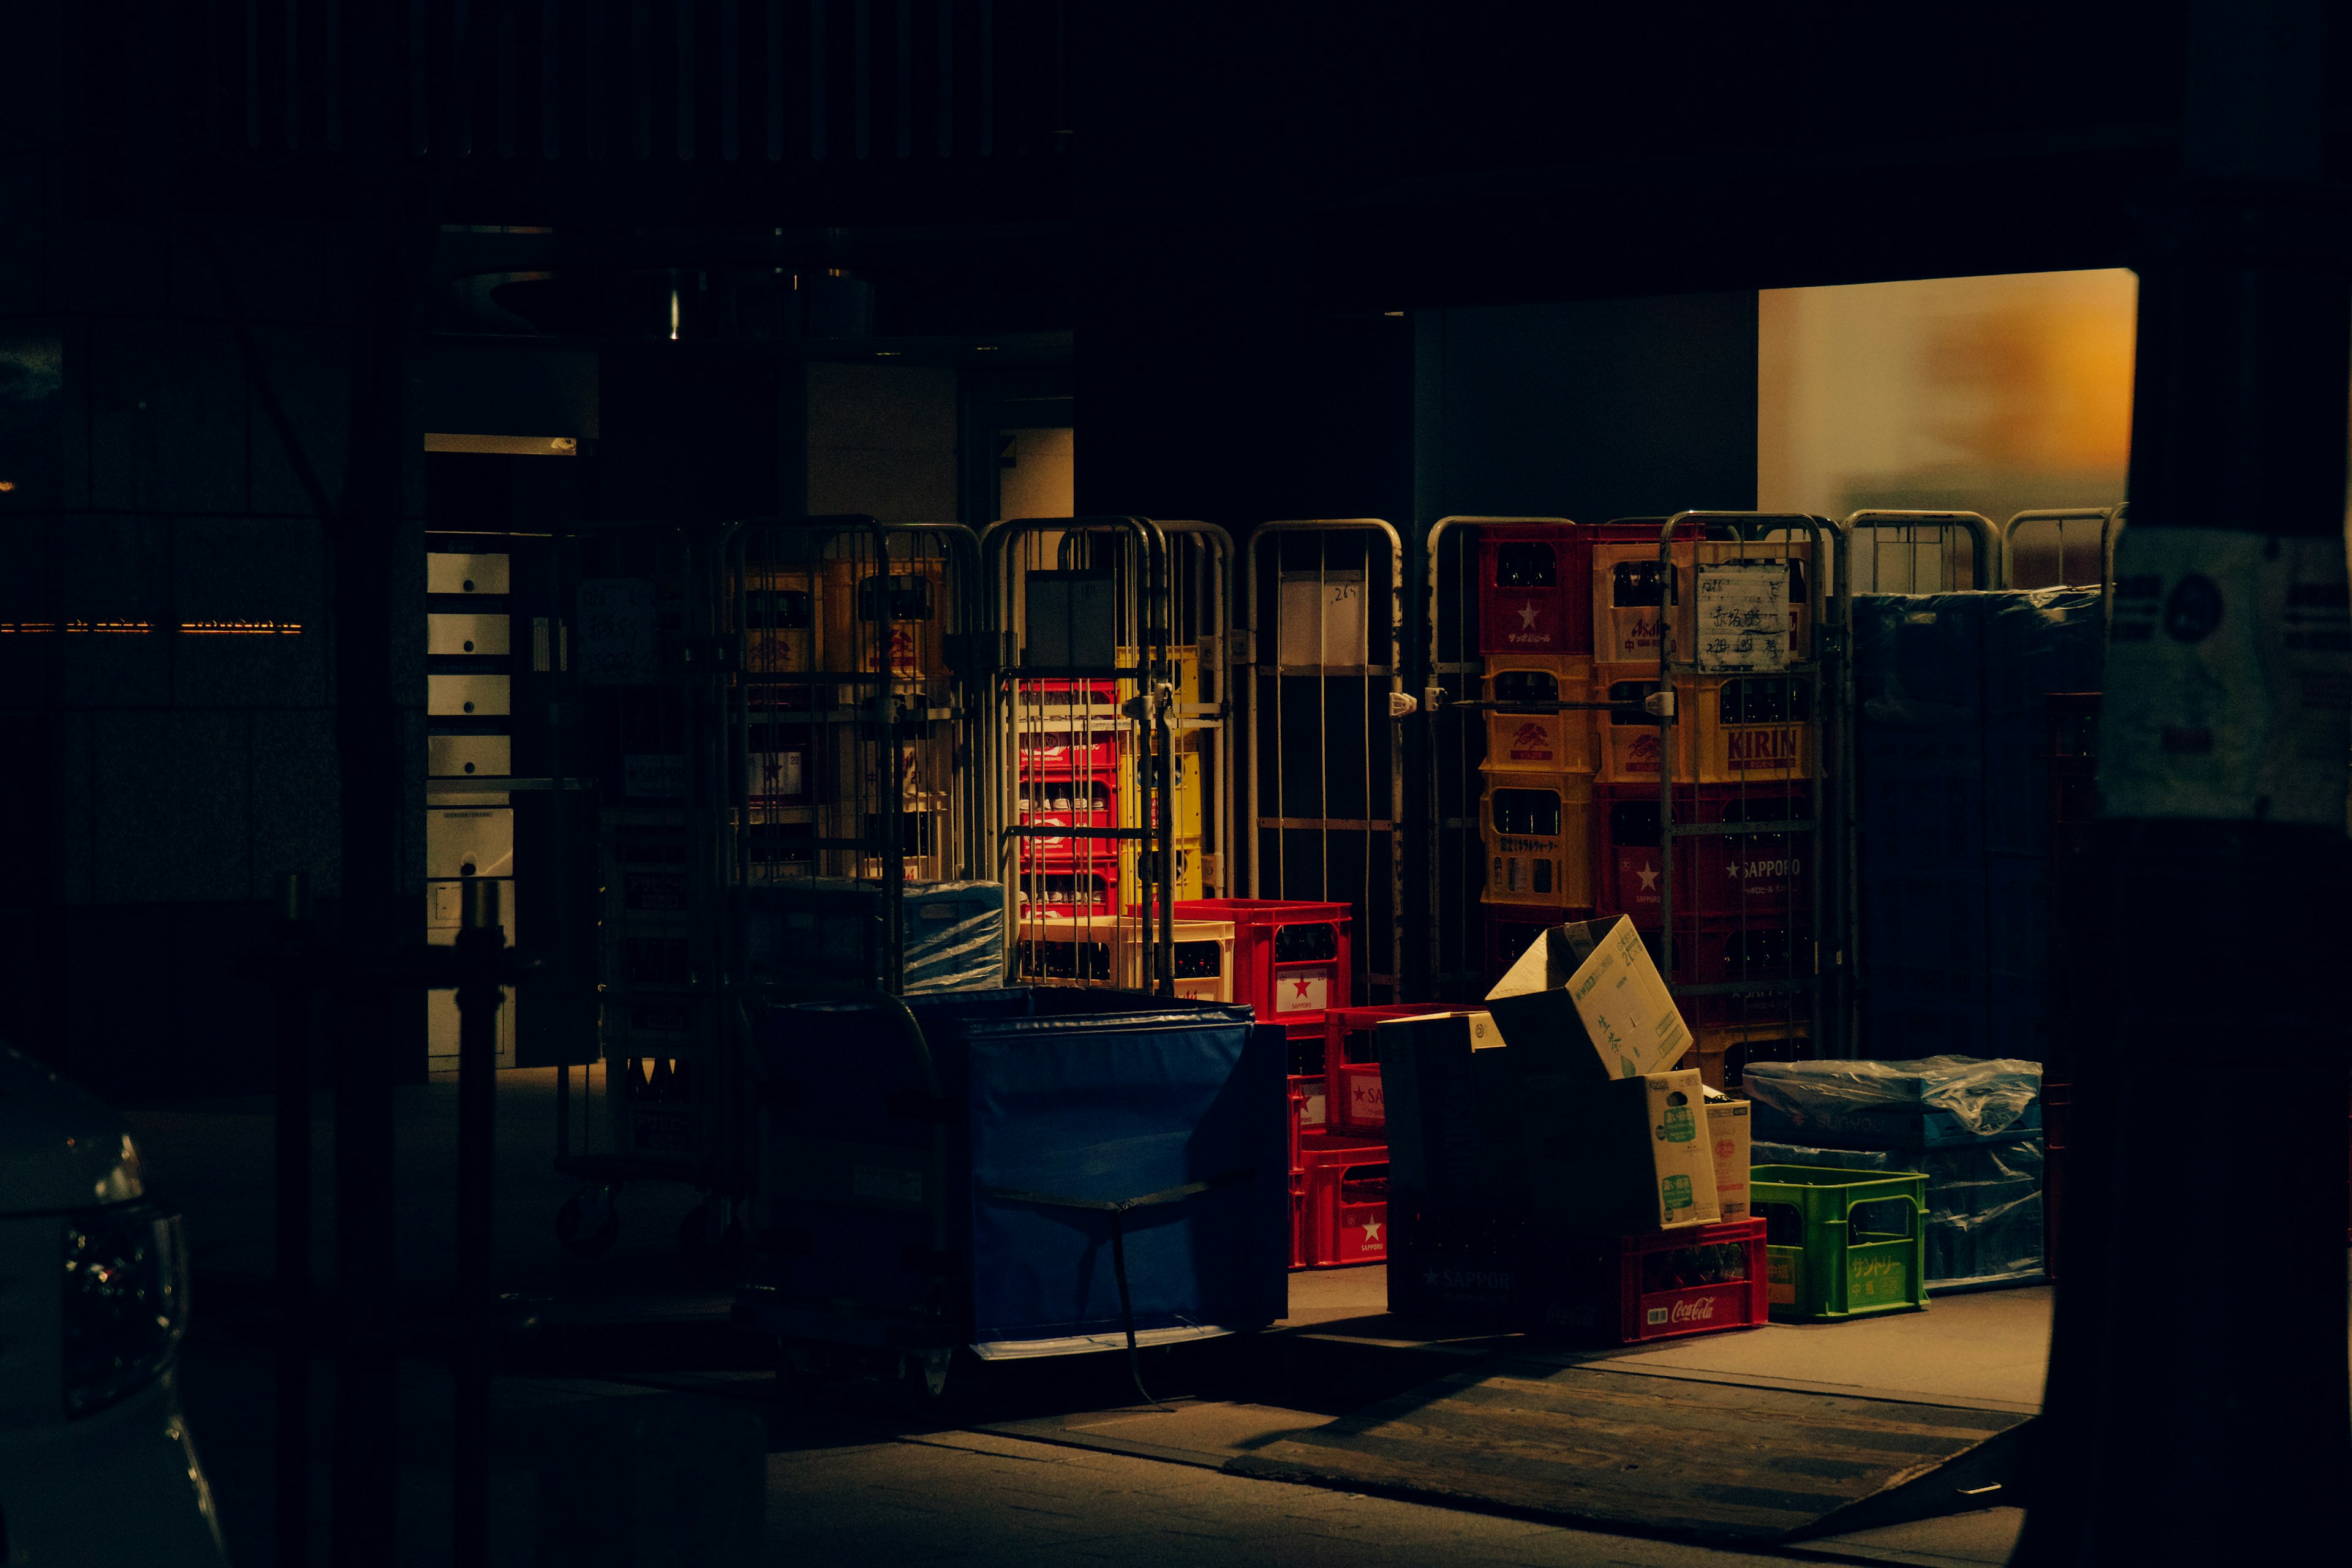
<point>685,433</point>
<point>1596,409</point>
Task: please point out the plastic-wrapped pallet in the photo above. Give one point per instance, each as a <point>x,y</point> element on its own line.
<point>827,931</point>
<point>1952,750</point>
<point>1918,737</point>
<point>1928,1103</point>
<point>954,936</point>
<point>1984,1220</point>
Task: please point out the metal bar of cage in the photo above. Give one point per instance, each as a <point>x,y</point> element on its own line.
<point>1218,567</point>
<point>1985,555</point>
<point>2110,520</point>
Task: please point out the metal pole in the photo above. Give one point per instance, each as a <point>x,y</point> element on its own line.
<point>481,941</point>
<point>293,1221</point>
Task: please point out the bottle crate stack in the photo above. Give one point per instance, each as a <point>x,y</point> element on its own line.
<point>1568,808</point>
<point>1075,767</point>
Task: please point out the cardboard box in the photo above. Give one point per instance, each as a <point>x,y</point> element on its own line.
<point>1727,1125</point>
<point>1453,1103</point>
<point>1586,1002</point>
<point>1620,1157</point>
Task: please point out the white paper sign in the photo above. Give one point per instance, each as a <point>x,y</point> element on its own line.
<point>1743,615</point>
<point>2229,678</point>
<point>617,623</point>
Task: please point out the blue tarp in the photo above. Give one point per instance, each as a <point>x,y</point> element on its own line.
<point>1102,1110</point>
<point>1135,1098</point>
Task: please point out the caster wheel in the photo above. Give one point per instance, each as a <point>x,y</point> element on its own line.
<point>925,1391</point>
<point>588,1223</point>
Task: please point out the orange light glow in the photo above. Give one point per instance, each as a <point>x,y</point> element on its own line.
<point>242,628</point>
<point>6,485</point>
<point>137,627</point>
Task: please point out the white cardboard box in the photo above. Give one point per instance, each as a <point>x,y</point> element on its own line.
<point>1585,1000</point>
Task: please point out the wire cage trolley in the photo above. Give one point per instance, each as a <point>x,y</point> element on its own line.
<point>1092,801</point>
<point>1950,834</point>
<point>1319,669</point>
<point>778,712</point>
<point>1008,1174</point>
<point>1748,645</point>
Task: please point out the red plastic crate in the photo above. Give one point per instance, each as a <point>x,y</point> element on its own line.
<point>1047,759</point>
<point>1535,588</point>
<point>1756,875</point>
<point>1352,1066</point>
<point>1347,1193</point>
<point>1290,958</point>
<point>1066,893</point>
<point>1698,1279</point>
<point>1723,950</point>
<point>1310,1107</point>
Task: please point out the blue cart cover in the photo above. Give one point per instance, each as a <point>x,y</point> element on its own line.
<point>1183,1111</point>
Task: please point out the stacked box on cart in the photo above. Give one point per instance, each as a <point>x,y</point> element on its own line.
<point>1025,1110</point>
<point>1455,1114</point>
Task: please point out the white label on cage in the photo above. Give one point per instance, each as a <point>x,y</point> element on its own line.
<point>2229,678</point>
<point>1743,615</point>
<point>617,632</point>
<point>1302,990</point>
<point>1310,1111</point>
<point>1323,619</point>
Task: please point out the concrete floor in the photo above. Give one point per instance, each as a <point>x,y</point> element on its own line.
<point>1077,1471</point>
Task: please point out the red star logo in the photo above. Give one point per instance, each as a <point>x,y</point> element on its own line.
<point>1302,988</point>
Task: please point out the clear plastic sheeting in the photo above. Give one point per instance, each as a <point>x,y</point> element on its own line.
<point>1954,811</point>
<point>827,934</point>
<point>1985,1221</point>
<point>1897,1104</point>
<point>955,936</point>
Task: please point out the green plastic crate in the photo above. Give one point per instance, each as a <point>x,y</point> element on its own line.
<point>1851,1261</point>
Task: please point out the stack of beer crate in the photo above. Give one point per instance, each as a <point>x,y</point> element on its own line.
<point>1085,902</point>
<point>1534,813</point>
<point>1572,807</point>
